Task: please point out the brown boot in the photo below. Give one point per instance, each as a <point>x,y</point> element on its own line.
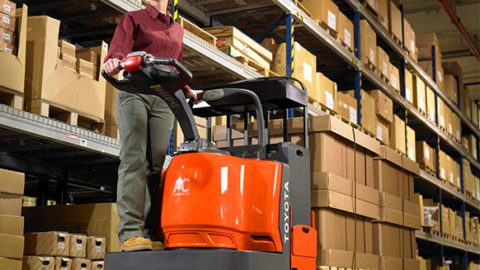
<point>136,244</point>
<point>157,246</point>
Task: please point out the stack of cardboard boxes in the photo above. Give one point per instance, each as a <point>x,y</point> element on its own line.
<point>394,233</point>
<point>61,250</point>
<point>471,229</point>
<point>8,30</point>
<point>469,142</point>
<point>11,222</point>
<point>470,182</point>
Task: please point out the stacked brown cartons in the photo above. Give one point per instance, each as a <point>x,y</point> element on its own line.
<point>394,77</point>
<point>470,143</point>
<point>394,21</point>
<point>11,222</point>
<point>53,248</point>
<point>410,42</point>
<point>431,110</point>
<point>7,27</point>
<point>384,113</point>
<point>345,31</point>
<point>96,248</point>
<point>419,94</point>
<point>394,232</point>
<point>343,194</point>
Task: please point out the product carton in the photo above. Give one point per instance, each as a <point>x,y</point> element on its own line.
<point>63,263</point>
<point>383,131</point>
<point>410,44</point>
<point>66,48</point>
<point>38,263</point>
<point>325,11</point>
<point>7,7</point>
<point>383,105</point>
<point>383,62</point>
<point>7,22</point>
<point>98,265</point>
<point>347,107</point>
<point>443,165</point>
<point>368,43</point>
<point>411,148</point>
<point>431,110</point>
<point>442,114</point>
<point>327,92</point>
<point>49,243</point>
<point>345,31</point>
<point>369,119</point>
<point>341,258</point>
<point>397,134</point>
<point>382,7</point>
<point>96,248</point>
<point>424,44</point>
<point>12,246</point>
<point>10,204</point>
<point>408,86</point>
<point>12,225</point>
<point>78,245</point>
<point>425,155</point>
<point>394,21</point>
<point>394,78</point>
<point>419,94</point>
<point>85,68</point>
<point>10,264</point>
<point>451,88</point>
<point>81,264</point>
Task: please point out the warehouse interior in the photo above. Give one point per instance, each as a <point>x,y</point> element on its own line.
<point>392,131</point>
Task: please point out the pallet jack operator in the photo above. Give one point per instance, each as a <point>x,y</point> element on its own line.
<point>145,124</point>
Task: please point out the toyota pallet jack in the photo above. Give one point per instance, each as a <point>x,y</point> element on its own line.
<point>245,207</point>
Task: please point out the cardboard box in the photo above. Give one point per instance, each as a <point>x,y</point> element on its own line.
<point>411,140</point>
<point>425,155</point>
<point>11,247</point>
<point>474,108</point>
<point>347,107</point>
<point>11,225</point>
<point>69,62</point>
<point>5,47</point>
<point>50,81</point>
<point>10,264</point>
<point>94,219</point>
<point>78,245</point>
<point>427,66</point>
<point>12,182</point>
<point>368,39</point>
<point>7,22</point>
<point>449,121</point>
<point>48,243</point>
<point>408,86</point>
<point>345,31</point>
<point>383,131</point>
<point>85,68</point>
<point>410,44</point>
<point>305,64</point>
<point>340,258</point>
<point>424,45</point>
<point>383,105</point>
<point>431,110</point>
<point>442,115</point>
<point>38,263</point>
<point>443,165</point>
<point>88,55</point>
<point>67,48</point>
<point>62,263</point>
<point>7,36</point>
<point>10,205</point>
<point>397,134</point>
<point>12,76</point>
<point>419,94</point>
<point>451,88</point>
<point>98,265</point>
<point>382,8</point>
<point>325,11</point>
<point>383,63</point>
<point>368,108</point>
<point>395,21</point>
<point>7,7</point>
<point>96,248</point>
<point>472,145</point>
<point>81,264</point>
<point>327,92</point>
<point>394,78</point>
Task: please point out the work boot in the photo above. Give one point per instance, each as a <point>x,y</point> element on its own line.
<point>157,246</point>
<point>136,244</point>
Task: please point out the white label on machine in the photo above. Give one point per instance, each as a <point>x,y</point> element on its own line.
<point>61,245</point>
<point>442,173</point>
<point>307,72</point>
<point>442,121</point>
<point>410,153</point>
<point>385,68</point>
<point>329,100</point>
<point>353,115</point>
<point>450,128</point>
<point>7,8</point>
<point>6,20</point>
<point>348,37</point>
<point>332,20</point>
<point>83,142</point>
<point>412,46</point>
<point>6,36</point>
<point>8,50</point>
<point>427,153</point>
<point>451,177</point>
<point>98,249</point>
<point>408,94</point>
<point>79,246</point>
<point>379,132</point>
<point>372,55</point>
<point>297,47</point>
<point>422,104</point>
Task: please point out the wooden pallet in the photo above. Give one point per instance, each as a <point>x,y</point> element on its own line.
<point>62,113</point>
<point>370,8</point>
<point>468,194</point>
<point>400,153</point>
<point>368,133</point>
<point>428,230</point>
<point>344,44</point>
<point>330,31</point>
<point>371,65</point>
<point>472,244</point>
<point>11,98</point>
<point>443,129</point>
<point>451,185</point>
<point>396,39</point>
<point>321,107</point>
<point>428,170</point>
<point>435,232</point>
<point>197,31</point>
<point>424,113</point>
<point>347,121</point>
<point>255,66</point>
<point>383,77</point>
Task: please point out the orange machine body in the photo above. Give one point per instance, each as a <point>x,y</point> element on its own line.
<point>220,201</point>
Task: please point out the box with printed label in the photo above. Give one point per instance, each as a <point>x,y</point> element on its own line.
<point>98,265</point>
<point>95,248</point>
<point>431,110</point>
<point>48,243</point>
<point>443,165</point>
<point>368,43</point>
<point>451,88</point>
<point>410,45</point>
<point>383,105</point>
<point>419,94</point>
<point>383,131</point>
<point>383,63</point>
<point>425,156</point>
<point>327,92</point>
<point>408,86</point>
<point>63,263</point>
<point>78,245</point>
<point>325,11</point>
<point>5,47</point>
<point>369,119</point>
<point>7,22</point>
<point>449,121</point>
<point>7,7</point>
<point>382,8</point>
<point>394,78</point>
<point>81,264</point>
<point>472,145</point>
<point>345,31</point>
<point>442,116</point>
<point>39,263</point>
<point>397,134</point>
<point>395,21</point>
<point>411,144</point>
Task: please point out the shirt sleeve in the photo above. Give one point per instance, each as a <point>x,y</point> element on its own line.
<point>123,39</point>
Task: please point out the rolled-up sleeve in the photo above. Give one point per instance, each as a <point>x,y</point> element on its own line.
<point>123,40</point>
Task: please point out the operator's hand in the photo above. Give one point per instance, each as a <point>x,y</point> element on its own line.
<point>193,94</point>
<point>112,66</point>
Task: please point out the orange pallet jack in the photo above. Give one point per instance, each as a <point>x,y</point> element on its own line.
<point>244,207</point>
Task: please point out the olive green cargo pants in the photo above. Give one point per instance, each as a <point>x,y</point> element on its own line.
<point>145,124</point>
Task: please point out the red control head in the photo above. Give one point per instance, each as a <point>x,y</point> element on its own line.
<point>133,63</point>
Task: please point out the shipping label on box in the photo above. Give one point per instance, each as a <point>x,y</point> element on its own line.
<point>7,22</point>
<point>7,7</point>
<point>7,36</point>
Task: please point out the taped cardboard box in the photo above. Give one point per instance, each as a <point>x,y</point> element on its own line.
<point>96,248</point>
<point>368,43</point>
<point>12,225</point>
<point>98,265</point>
<point>10,264</point>
<point>63,263</point>
<point>7,22</point>
<point>383,105</point>
<point>12,246</point>
<point>419,94</point>
<point>398,211</point>
<point>411,144</point>
<point>69,62</point>
<point>78,245</point>
<point>345,31</point>
<point>85,68</point>
<point>383,62</point>
<point>397,134</point>
<point>347,107</point>
<point>7,36</point>
<point>327,92</point>
<point>93,219</point>
<point>48,80</point>
<point>325,11</point>
<point>7,7</point>
<point>81,264</point>
<point>394,241</point>
<point>67,48</point>
<point>5,47</point>
<point>12,70</point>
<point>383,132</point>
<point>471,145</point>
<point>339,258</point>
<point>38,263</point>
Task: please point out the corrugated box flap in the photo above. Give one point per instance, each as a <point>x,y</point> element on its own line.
<point>390,201</point>
<point>327,123</point>
<point>411,166</point>
<point>391,155</point>
<point>367,142</point>
<point>325,180</point>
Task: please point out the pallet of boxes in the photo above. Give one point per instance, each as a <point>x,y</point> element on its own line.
<point>59,84</point>
<point>11,222</point>
<point>63,251</point>
<point>13,51</point>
